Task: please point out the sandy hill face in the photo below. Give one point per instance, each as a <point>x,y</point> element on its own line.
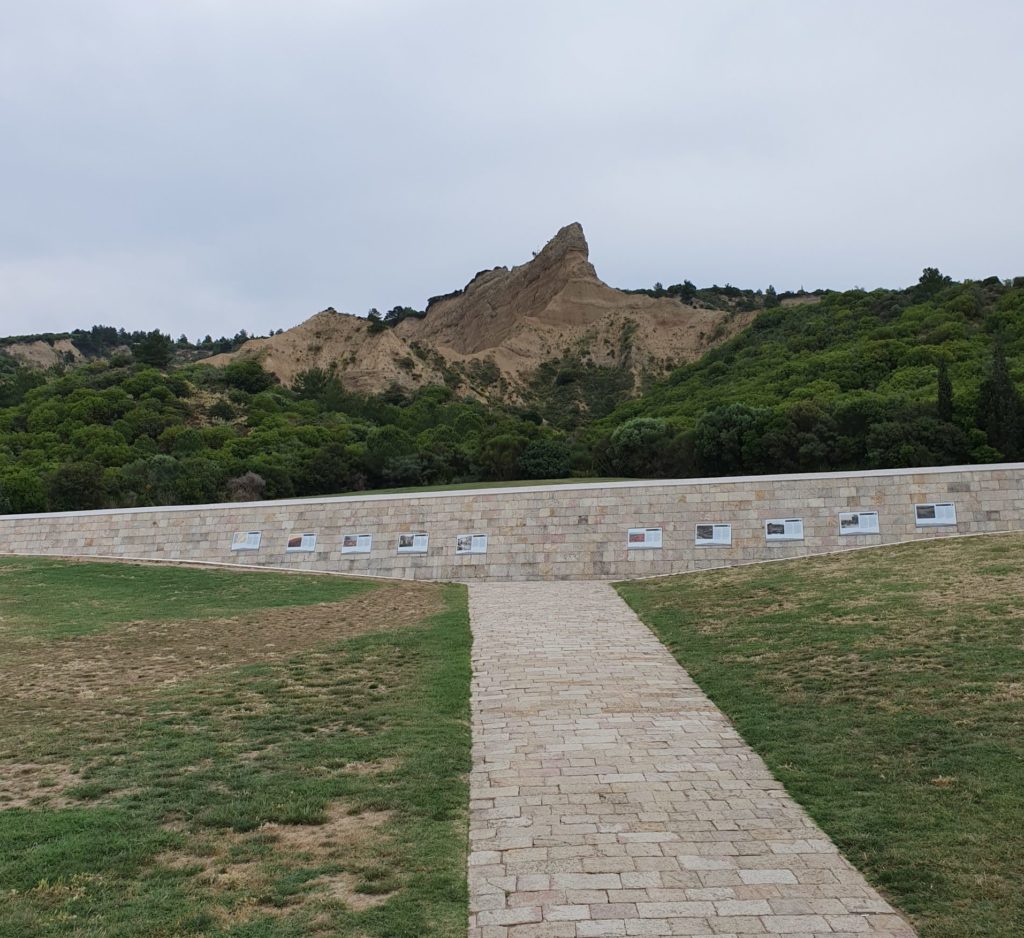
<point>39,354</point>
<point>330,340</point>
<point>505,322</point>
<point>558,287</point>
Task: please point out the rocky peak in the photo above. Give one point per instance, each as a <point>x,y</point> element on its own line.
<point>514,319</point>
<point>569,240</point>
<point>568,250</point>
<point>499,301</point>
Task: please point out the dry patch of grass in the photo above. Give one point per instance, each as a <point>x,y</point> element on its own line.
<point>147,655</point>
<point>259,765</point>
<point>32,783</point>
<point>69,685</point>
<point>240,868</point>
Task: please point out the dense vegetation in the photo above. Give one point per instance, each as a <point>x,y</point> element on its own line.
<point>923,376</point>
<point>727,297</point>
<point>391,318</point>
<point>153,347</point>
<point>130,434</point>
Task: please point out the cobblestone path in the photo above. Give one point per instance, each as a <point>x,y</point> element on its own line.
<point>611,797</point>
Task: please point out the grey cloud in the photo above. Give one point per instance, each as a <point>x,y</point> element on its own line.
<point>206,167</point>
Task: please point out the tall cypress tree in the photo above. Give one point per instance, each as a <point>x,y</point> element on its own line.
<point>999,406</point>
<point>945,393</point>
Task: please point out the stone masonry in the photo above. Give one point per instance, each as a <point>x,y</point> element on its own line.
<point>609,796</point>
<point>575,531</point>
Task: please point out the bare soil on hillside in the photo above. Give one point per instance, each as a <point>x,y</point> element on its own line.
<point>509,319</point>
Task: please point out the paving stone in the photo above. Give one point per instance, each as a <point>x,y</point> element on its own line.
<point>612,798</point>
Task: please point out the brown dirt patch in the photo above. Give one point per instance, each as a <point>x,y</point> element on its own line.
<point>329,840</point>
<point>24,784</point>
<point>210,859</point>
<point>372,768</point>
<point>74,685</point>
<point>143,655</point>
<point>515,319</point>
<point>1007,692</point>
<point>343,887</point>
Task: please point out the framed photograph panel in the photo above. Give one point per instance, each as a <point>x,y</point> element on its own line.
<point>415,542</point>
<point>356,543</point>
<point>643,538</point>
<point>709,534</point>
<point>301,543</point>
<point>784,529</point>
<point>246,540</point>
<point>934,514</point>
<point>858,522</point>
<point>471,544</point>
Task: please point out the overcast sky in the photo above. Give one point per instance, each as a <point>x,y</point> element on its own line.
<point>204,166</point>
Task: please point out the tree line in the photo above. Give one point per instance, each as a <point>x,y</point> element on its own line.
<point>121,435</point>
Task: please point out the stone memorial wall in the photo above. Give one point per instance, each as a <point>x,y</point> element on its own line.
<point>616,530</point>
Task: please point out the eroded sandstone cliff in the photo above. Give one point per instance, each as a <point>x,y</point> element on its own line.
<point>505,323</point>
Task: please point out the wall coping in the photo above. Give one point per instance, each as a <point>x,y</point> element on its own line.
<point>526,490</point>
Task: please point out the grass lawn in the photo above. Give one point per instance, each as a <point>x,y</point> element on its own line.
<point>885,689</point>
<point>215,753</point>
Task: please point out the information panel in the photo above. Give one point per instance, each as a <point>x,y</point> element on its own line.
<point>413,543</point>
<point>643,538</point>
<point>931,514</point>
<point>356,543</point>
<point>301,543</point>
<point>784,529</point>
<point>245,540</point>
<point>471,544</point>
<point>708,534</point>
<point>858,522</point>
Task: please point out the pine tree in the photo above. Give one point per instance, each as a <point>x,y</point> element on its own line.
<point>375,323</point>
<point>155,348</point>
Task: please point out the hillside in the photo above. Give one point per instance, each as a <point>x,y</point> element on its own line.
<point>39,354</point>
<point>852,381</point>
<point>556,305</point>
<point>492,338</point>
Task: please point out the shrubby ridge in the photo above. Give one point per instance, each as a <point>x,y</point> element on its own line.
<point>927,375</point>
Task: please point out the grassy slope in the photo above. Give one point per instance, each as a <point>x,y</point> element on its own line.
<point>884,689</point>
<point>317,788</point>
<point>883,344</point>
<point>57,599</point>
